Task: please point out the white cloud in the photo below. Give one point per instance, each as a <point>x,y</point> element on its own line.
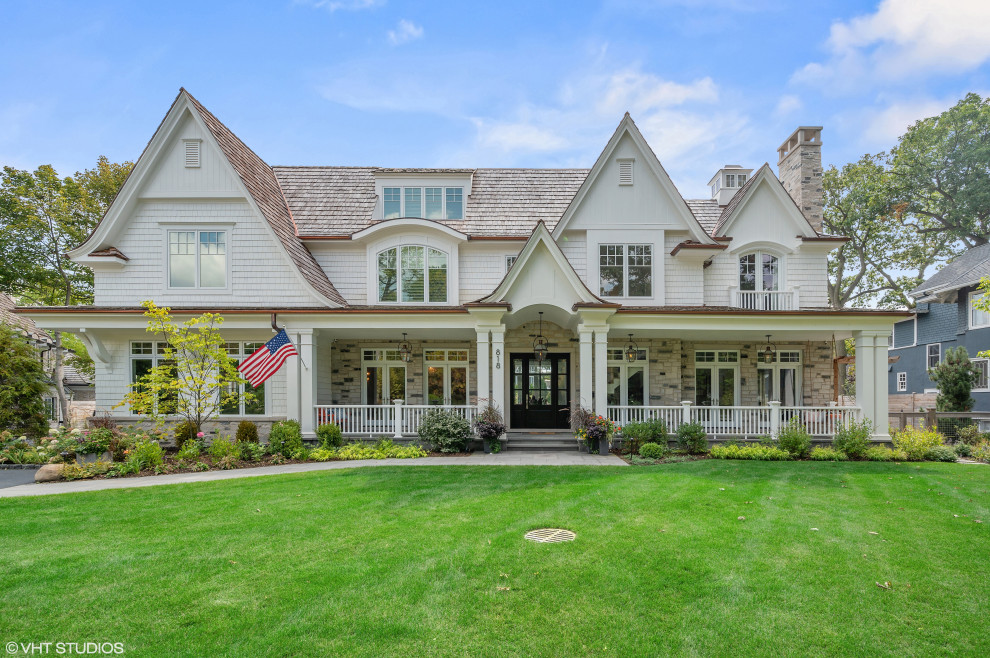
<point>788,104</point>
<point>903,38</point>
<point>345,5</point>
<point>406,31</point>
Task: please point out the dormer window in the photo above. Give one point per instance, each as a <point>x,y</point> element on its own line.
<point>412,273</point>
<point>440,202</point>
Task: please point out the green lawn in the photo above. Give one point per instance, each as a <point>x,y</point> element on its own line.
<point>430,560</point>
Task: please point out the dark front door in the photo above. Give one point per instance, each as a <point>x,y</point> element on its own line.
<point>541,392</point>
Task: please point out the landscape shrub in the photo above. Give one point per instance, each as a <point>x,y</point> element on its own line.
<point>757,452</point>
<point>854,438</point>
<point>148,453</point>
<point>73,471</point>
<point>490,426</point>
<point>970,435</point>
<point>941,454</point>
<point>227,462</point>
<point>638,434</point>
<point>884,454</point>
<point>223,447</point>
<point>794,438</point>
<point>384,449</point>
<point>981,451</point>
<point>963,449</point>
<point>329,435</point>
<point>322,454</point>
<point>96,442</point>
<point>827,455</point>
<point>652,450</point>
<point>250,452</point>
<point>247,432</point>
<point>285,438</point>
<point>183,432</point>
<point>693,438</point>
<point>188,452</point>
<point>446,431</point>
<point>915,443</point>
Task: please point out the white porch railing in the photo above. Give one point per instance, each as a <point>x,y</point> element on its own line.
<point>766,300</point>
<point>395,420</point>
<point>744,422</point>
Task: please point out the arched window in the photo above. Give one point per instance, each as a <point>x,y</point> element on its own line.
<point>759,271</point>
<point>412,273</point>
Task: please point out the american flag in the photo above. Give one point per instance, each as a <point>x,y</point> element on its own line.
<point>268,359</point>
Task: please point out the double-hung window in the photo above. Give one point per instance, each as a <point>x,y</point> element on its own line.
<point>977,316</point>
<point>423,202</point>
<point>197,259</point>
<point>934,354</point>
<point>241,406</point>
<point>625,270</point>
<point>902,381</point>
<point>411,273</point>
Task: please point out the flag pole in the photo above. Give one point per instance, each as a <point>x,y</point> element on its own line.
<point>277,329</point>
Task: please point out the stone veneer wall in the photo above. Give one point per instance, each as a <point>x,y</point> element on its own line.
<point>347,377</point>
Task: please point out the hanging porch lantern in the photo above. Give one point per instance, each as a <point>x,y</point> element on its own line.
<point>541,345</point>
<point>405,349</point>
<point>769,352</point>
<point>632,350</point>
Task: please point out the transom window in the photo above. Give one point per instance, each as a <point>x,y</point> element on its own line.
<point>625,270</point>
<point>256,406</point>
<point>424,202</point>
<point>716,356</point>
<point>934,354</point>
<point>445,355</point>
<point>197,259</point>
<point>759,271</point>
<point>412,274</point>
<point>977,317</point>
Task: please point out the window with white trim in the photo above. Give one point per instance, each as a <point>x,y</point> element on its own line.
<point>977,316</point>
<point>238,351</point>
<point>197,259</point>
<point>423,202</point>
<point>983,369</point>
<point>412,273</point>
<point>625,270</point>
<point>446,376</point>
<point>509,262</point>
<point>759,271</point>
<point>781,379</point>
<point>145,355</point>
<point>934,354</point>
<point>902,381</point>
<point>627,383</point>
<point>384,377</point>
<point>716,378</point>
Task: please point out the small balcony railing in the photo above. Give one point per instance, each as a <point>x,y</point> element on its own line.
<point>765,300</point>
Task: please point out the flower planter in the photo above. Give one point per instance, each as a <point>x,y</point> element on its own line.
<point>486,446</point>
<point>89,458</point>
<point>583,447</point>
<point>603,446</point>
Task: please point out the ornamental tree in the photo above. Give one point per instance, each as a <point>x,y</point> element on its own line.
<point>954,377</point>
<point>194,379</point>
<point>23,385</point>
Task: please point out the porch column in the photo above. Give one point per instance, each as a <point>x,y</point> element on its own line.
<point>586,367</point>
<point>498,369</point>
<point>292,392</point>
<point>601,355</point>
<point>307,383</point>
<point>484,369</point>
<point>871,379</point>
<point>880,400</point>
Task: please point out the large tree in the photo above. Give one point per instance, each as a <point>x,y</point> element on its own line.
<point>885,257</point>
<point>941,170</point>
<point>42,216</point>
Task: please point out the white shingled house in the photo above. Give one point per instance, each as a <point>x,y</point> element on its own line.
<point>409,289</point>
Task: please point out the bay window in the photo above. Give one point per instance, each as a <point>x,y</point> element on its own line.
<point>412,273</point>
<point>625,270</point>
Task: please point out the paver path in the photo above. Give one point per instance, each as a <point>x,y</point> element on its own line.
<point>476,459</point>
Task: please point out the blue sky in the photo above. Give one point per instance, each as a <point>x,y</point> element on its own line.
<point>522,84</point>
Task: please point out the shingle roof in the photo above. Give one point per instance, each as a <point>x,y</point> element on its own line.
<point>706,211</point>
<point>73,377</point>
<point>24,324</point>
<point>109,252</point>
<point>965,269</point>
<point>262,185</point>
<point>736,200</point>
<point>503,202</point>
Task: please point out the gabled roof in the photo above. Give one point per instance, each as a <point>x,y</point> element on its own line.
<point>541,236</point>
<point>706,211</point>
<point>628,127</point>
<point>740,198</point>
<point>966,269</point>
<point>261,184</point>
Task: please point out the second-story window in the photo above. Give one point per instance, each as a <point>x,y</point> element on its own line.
<point>977,316</point>
<point>934,354</point>
<point>197,259</point>
<point>440,202</point>
<point>759,271</point>
<point>625,270</point>
<point>412,274</point>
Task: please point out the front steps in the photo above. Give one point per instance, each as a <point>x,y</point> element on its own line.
<point>541,441</point>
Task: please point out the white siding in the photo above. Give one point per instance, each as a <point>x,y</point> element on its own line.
<point>721,275</point>
<point>684,279</point>
<point>575,247</point>
<point>809,271</point>
<point>171,177</point>
<point>346,267</point>
<point>482,267</point>
<point>260,274</point>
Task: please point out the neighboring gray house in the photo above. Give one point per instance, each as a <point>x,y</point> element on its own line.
<point>944,318</point>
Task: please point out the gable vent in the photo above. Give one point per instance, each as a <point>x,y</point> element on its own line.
<point>192,152</point>
<point>625,172</point>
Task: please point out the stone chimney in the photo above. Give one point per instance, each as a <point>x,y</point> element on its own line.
<point>800,170</point>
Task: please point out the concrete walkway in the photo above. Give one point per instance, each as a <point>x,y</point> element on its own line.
<point>476,459</point>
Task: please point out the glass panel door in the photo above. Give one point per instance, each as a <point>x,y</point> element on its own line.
<point>458,385</point>
<point>704,387</point>
<point>396,383</point>
<point>726,387</point>
<point>435,384</point>
<point>635,389</point>
<point>788,387</point>
<point>613,386</point>
<point>374,377</point>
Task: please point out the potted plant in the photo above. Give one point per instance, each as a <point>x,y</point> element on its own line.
<point>94,445</point>
<point>490,426</point>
